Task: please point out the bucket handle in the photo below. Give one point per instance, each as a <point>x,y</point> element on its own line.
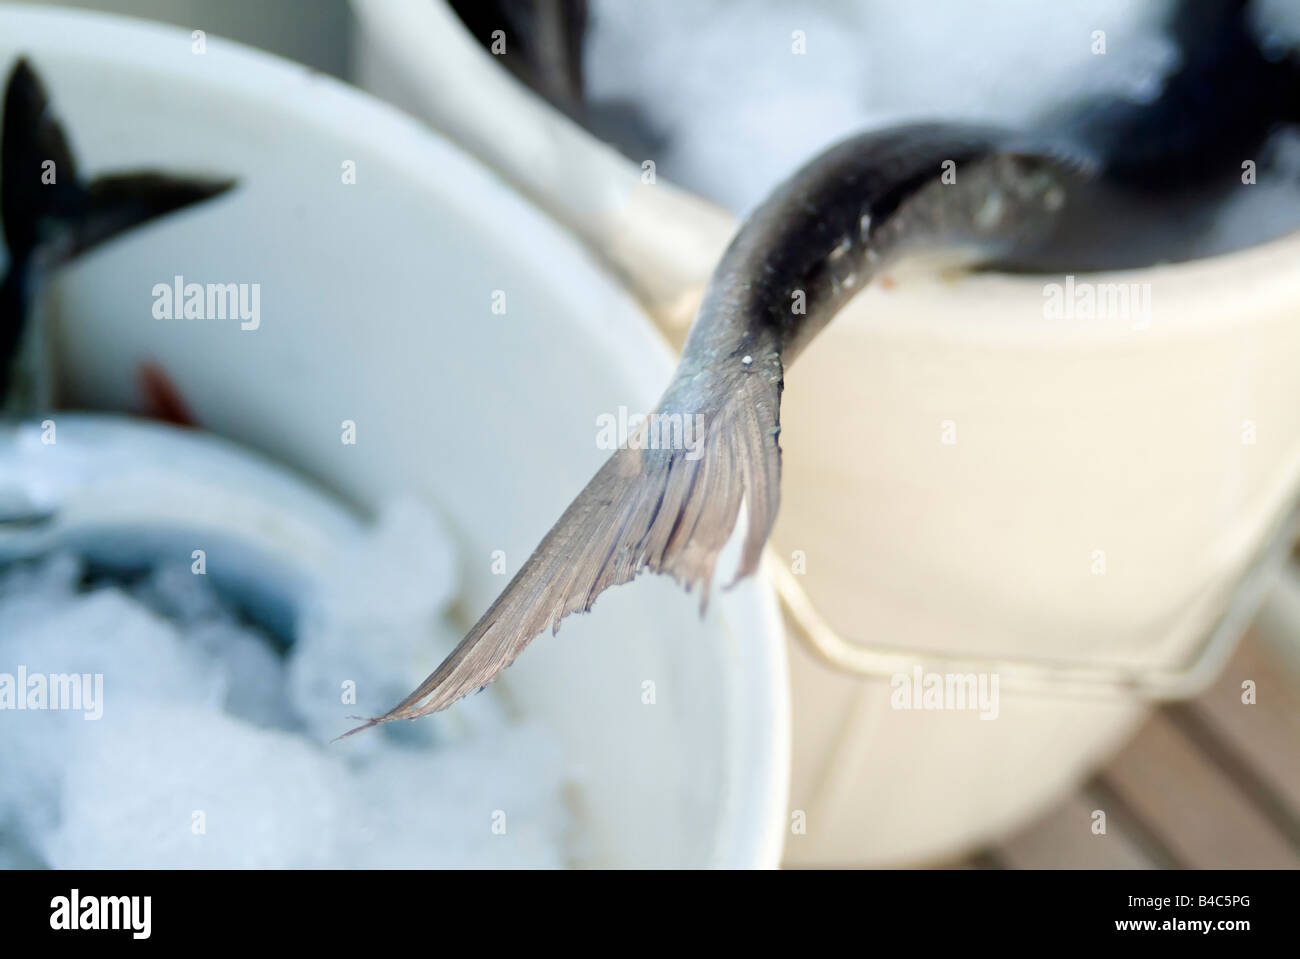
<point>1056,678</point>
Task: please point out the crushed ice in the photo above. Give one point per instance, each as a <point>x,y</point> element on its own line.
<point>213,745</point>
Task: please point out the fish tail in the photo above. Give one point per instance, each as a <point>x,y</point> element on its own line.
<point>669,511</point>
<point>38,178</point>
<point>117,203</point>
<point>43,199</point>
<point>51,215</point>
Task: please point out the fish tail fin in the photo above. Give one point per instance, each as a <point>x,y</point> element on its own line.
<point>50,215</point>
<point>112,205</point>
<point>44,200</point>
<point>38,174</point>
<point>32,148</point>
<point>666,510</point>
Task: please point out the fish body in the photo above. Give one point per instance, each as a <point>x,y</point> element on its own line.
<point>829,229</point>
<point>815,243</point>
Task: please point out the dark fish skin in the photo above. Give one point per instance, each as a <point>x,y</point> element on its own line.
<point>828,229</point>
<point>824,233</point>
<point>48,224</point>
<point>1217,106</point>
<point>1167,167</point>
<point>544,40</point>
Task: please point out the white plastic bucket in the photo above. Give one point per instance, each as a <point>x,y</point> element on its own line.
<point>1098,509</point>
<point>376,307</point>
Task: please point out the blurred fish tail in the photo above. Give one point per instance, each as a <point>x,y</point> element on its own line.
<point>51,215</point>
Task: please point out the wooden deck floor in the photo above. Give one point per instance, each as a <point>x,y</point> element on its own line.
<point>1212,782</point>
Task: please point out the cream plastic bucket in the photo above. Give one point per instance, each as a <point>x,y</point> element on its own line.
<point>1085,507</point>
<point>376,308</point>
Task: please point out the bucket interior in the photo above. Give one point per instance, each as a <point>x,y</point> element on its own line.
<point>376,307</point>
